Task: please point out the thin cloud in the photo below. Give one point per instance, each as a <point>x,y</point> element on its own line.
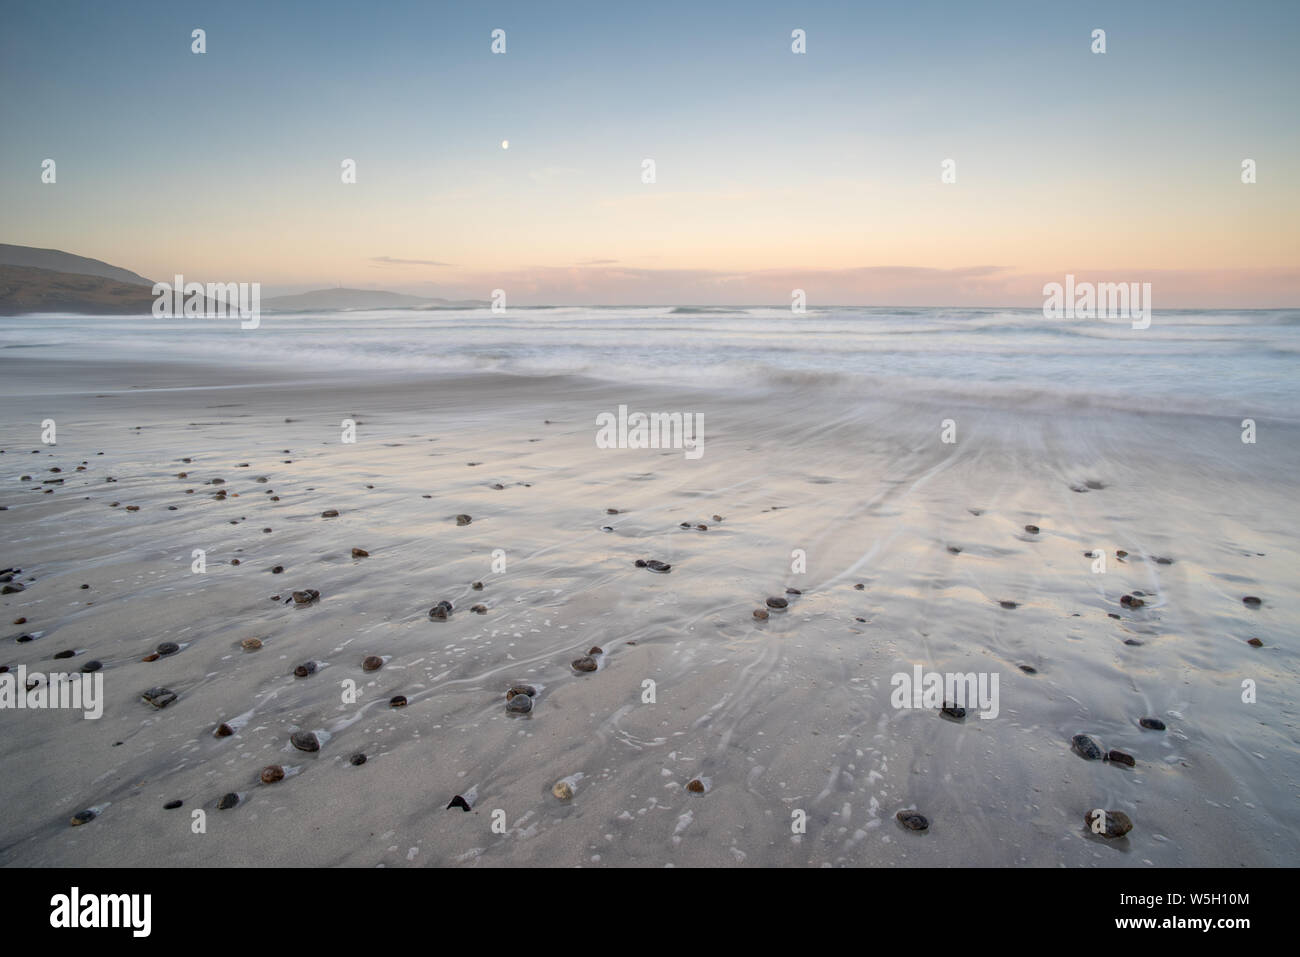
<point>598,262</point>
<point>390,261</point>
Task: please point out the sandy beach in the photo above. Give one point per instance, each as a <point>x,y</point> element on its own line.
<point>780,719</point>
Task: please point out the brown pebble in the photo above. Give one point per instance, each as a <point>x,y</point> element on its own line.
<point>272,773</point>
<point>223,730</point>
<point>330,513</point>
<point>479,609</point>
<point>305,669</point>
<point>477,586</point>
<point>397,701</point>
<point>228,801</point>
<point>463,520</point>
<point>360,553</point>
<point>304,741</point>
<point>372,663</point>
<point>1252,601</point>
<point>1108,824</point>
<point>695,786</point>
<point>913,821</point>
<point>251,644</point>
<point>152,656</point>
<point>585,663</point>
<point>761,614</point>
<point>595,650</point>
<point>1255,643</point>
<point>1121,757</point>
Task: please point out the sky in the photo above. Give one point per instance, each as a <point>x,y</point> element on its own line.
<point>774,170</point>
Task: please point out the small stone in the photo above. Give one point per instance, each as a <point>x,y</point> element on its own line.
<point>20,621</point>
<point>1108,824</point>
<point>277,569</point>
<point>251,644</point>
<point>1128,601</point>
<point>477,586</point>
<point>952,711</point>
<point>1121,757</point>
<point>305,741</point>
<point>12,588</point>
<point>1086,747</point>
<point>562,790</point>
<point>859,586</point>
<point>159,697</point>
<point>913,821</point>
<point>954,549</point>
<point>305,669</point>
<point>1111,614</point>
<point>83,817</point>
<point>640,563</point>
<point>585,663</point>
<point>1255,643</point>
<point>1009,604</point>
<point>520,704</point>
<point>459,802</point>
<point>528,690</point>
<point>372,663</point>
<point>1164,561</point>
<point>152,656</point>
<point>1031,529</point>
<point>172,805</point>
<point>793,591</point>
<point>717,518</point>
<point>1252,601</point>
<point>85,586</point>
<point>1120,553</point>
<point>761,614</point>
<point>91,666</point>
<point>66,654</point>
<point>330,513</point>
<point>1133,642</point>
<point>611,511</point>
<point>463,519</point>
<point>1029,669</point>
<point>357,759</point>
<point>1152,724</point>
<point>479,609</point>
<point>308,596</point>
<point>223,731</point>
<point>234,561</point>
<point>360,553</point>
<point>228,801</point>
<point>397,701</point>
<point>695,786</point>
<point>657,566</point>
<point>595,650</point>
<point>777,603</point>
<point>702,528</point>
<point>168,648</point>
<point>272,773</point>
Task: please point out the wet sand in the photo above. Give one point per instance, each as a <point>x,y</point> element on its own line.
<point>791,714</point>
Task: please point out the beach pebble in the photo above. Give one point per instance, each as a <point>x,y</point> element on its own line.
<point>440,611</point>
<point>1029,669</point>
<point>520,704</point>
<point>304,741</point>
<point>657,566</point>
<point>1152,724</point>
<point>777,603</point>
<point>1255,643</point>
<point>595,650</point>
<point>477,586</point>
<point>277,569</point>
<point>859,586</point>
<point>1133,641</point>
<point>305,669</point>
<point>159,697</point>
<point>272,773</point>
<point>223,731</point>
<point>913,821</point>
<point>168,648</point>
<point>91,666</point>
<point>695,786</point>
<point>611,511</point>
<point>330,513</point>
<point>585,663</point>
<point>459,802</point>
<point>12,588</point>
<point>1120,553</point>
<point>1086,747</point>
<point>521,689</point>
<point>308,596</point>
<point>954,549</point>
<point>360,553</point>
<point>397,701</point>
<point>65,654</point>
<point>1128,601</point>
<point>463,519</point>
<point>1252,601</point>
<point>372,663</point>
<point>562,790</point>
<point>793,591</point>
<point>228,801</point>
<point>1031,529</point>
<point>952,711</point>
<point>83,817</point>
<point>172,805</point>
<point>479,609</point>
<point>1108,824</point>
<point>251,644</point>
<point>1121,757</point>
<point>357,759</point>
<point>1009,604</point>
<point>761,614</point>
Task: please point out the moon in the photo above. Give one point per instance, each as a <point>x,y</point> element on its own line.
<point>505,144</point>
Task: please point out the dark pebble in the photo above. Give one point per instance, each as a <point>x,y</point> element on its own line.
<point>459,802</point>
<point>477,586</point>
<point>66,654</point>
<point>272,773</point>
<point>168,648</point>
<point>1086,747</point>
<point>585,663</point>
<point>92,666</point>
<point>305,669</point>
<point>304,741</point>
<point>372,663</point>
<point>1152,724</point>
<point>1255,643</point>
<point>1121,757</point>
<point>83,817</point>
<point>793,591</point>
<point>1009,604</point>
<point>528,690</point>
<point>360,553</point>
<point>777,603</point>
<point>172,805</point>
<point>1252,601</point>
<point>357,760</point>
<point>224,731</point>
<point>330,513</point>
<point>159,697</point>
<point>913,821</point>
<point>760,614</point>
<point>397,701</point>
<point>228,801</point>
<point>520,704</point>
<point>1031,529</point>
<point>952,711</point>
<point>1113,824</point>
<point>463,520</point>
<point>657,566</point>
<point>1029,670</point>
<point>479,609</point>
